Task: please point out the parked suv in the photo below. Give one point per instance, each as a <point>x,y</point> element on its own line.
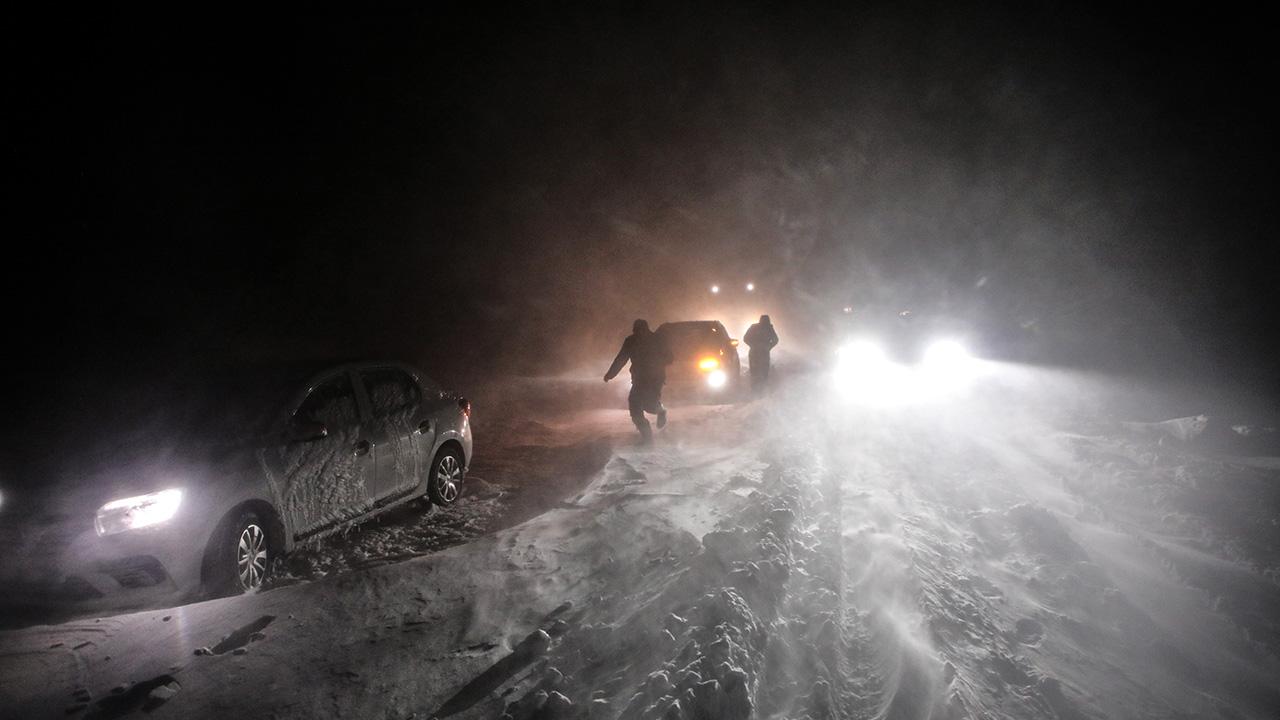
<point>236,470</point>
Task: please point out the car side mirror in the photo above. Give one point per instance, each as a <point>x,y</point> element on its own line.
<point>307,430</point>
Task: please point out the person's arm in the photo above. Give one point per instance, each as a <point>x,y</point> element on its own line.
<point>773,337</point>
<point>620,361</point>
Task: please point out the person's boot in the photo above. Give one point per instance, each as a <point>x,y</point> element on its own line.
<point>646,434</point>
<point>662,417</point>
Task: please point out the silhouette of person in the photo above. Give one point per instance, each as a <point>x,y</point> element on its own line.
<point>649,357</point>
<point>760,337</point>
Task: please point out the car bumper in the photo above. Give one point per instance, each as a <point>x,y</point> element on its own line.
<point>73,565</point>
<point>467,444</point>
<point>697,385</point>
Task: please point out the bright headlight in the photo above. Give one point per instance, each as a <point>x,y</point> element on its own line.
<point>861,355</point>
<point>947,368</point>
<point>717,378</point>
<point>946,353</point>
<point>137,512</point>
<point>708,364</point>
<point>865,374</point>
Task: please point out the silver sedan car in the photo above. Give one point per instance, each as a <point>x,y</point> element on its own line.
<point>259,467</point>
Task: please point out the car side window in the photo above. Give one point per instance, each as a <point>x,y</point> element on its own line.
<point>332,403</point>
<point>390,390</point>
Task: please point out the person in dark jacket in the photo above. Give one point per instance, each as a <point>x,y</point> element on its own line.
<point>761,338</point>
<point>649,357</point>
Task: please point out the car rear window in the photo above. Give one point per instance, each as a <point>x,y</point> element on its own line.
<point>692,338</point>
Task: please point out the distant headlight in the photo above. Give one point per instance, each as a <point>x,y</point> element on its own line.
<point>717,378</point>
<point>708,364</point>
<point>137,512</point>
<point>866,374</point>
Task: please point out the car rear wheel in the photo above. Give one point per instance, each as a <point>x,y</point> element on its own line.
<point>445,484</point>
<point>241,556</point>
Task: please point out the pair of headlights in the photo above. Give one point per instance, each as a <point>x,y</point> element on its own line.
<point>865,372</point>
<point>942,354</point>
<point>137,512</point>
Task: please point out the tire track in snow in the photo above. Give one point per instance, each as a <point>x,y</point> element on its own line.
<point>966,585</point>
<point>929,635</point>
<point>890,669</point>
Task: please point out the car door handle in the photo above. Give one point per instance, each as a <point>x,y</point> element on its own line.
<point>362,448</point>
<point>424,427</point>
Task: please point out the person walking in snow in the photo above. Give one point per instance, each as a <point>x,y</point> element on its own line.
<point>649,357</point>
<point>760,338</point>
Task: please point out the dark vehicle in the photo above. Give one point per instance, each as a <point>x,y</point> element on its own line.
<point>236,471</point>
<point>706,364</point>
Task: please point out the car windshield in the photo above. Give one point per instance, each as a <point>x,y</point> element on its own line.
<point>690,338</point>
<point>206,407</point>
<point>239,403</point>
<point>115,419</point>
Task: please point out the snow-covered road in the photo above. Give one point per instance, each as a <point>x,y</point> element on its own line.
<point>785,558</point>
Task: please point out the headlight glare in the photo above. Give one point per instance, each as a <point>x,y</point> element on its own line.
<point>946,353</point>
<point>717,378</point>
<point>861,356</point>
<point>137,512</point>
<point>708,364</point>
<point>863,372</point>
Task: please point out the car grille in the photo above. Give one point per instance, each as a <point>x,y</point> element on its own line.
<point>135,572</point>
<point>31,564</point>
<point>42,542</point>
<point>11,536</point>
<point>75,588</point>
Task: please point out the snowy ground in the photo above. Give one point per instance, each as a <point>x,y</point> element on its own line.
<point>785,558</point>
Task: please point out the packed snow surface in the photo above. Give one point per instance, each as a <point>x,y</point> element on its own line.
<point>785,558</point>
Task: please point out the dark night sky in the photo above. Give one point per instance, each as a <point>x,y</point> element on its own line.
<point>476,190</point>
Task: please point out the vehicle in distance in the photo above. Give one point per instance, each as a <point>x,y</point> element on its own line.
<point>899,357</point>
<point>705,361</point>
<point>253,461</point>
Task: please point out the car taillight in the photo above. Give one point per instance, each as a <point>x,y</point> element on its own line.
<point>465,406</point>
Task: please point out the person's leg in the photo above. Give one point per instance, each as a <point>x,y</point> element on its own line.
<point>635,403</point>
<point>659,408</point>
<point>652,403</point>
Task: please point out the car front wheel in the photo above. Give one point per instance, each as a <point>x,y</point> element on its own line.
<point>241,556</point>
<point>446,477</point>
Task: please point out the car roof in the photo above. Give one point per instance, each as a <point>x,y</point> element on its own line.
<point>358,366</point>
<point>715,325</point>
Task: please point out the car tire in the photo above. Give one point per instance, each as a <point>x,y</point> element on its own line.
<point>240,557</point>
<point>445,482</point>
